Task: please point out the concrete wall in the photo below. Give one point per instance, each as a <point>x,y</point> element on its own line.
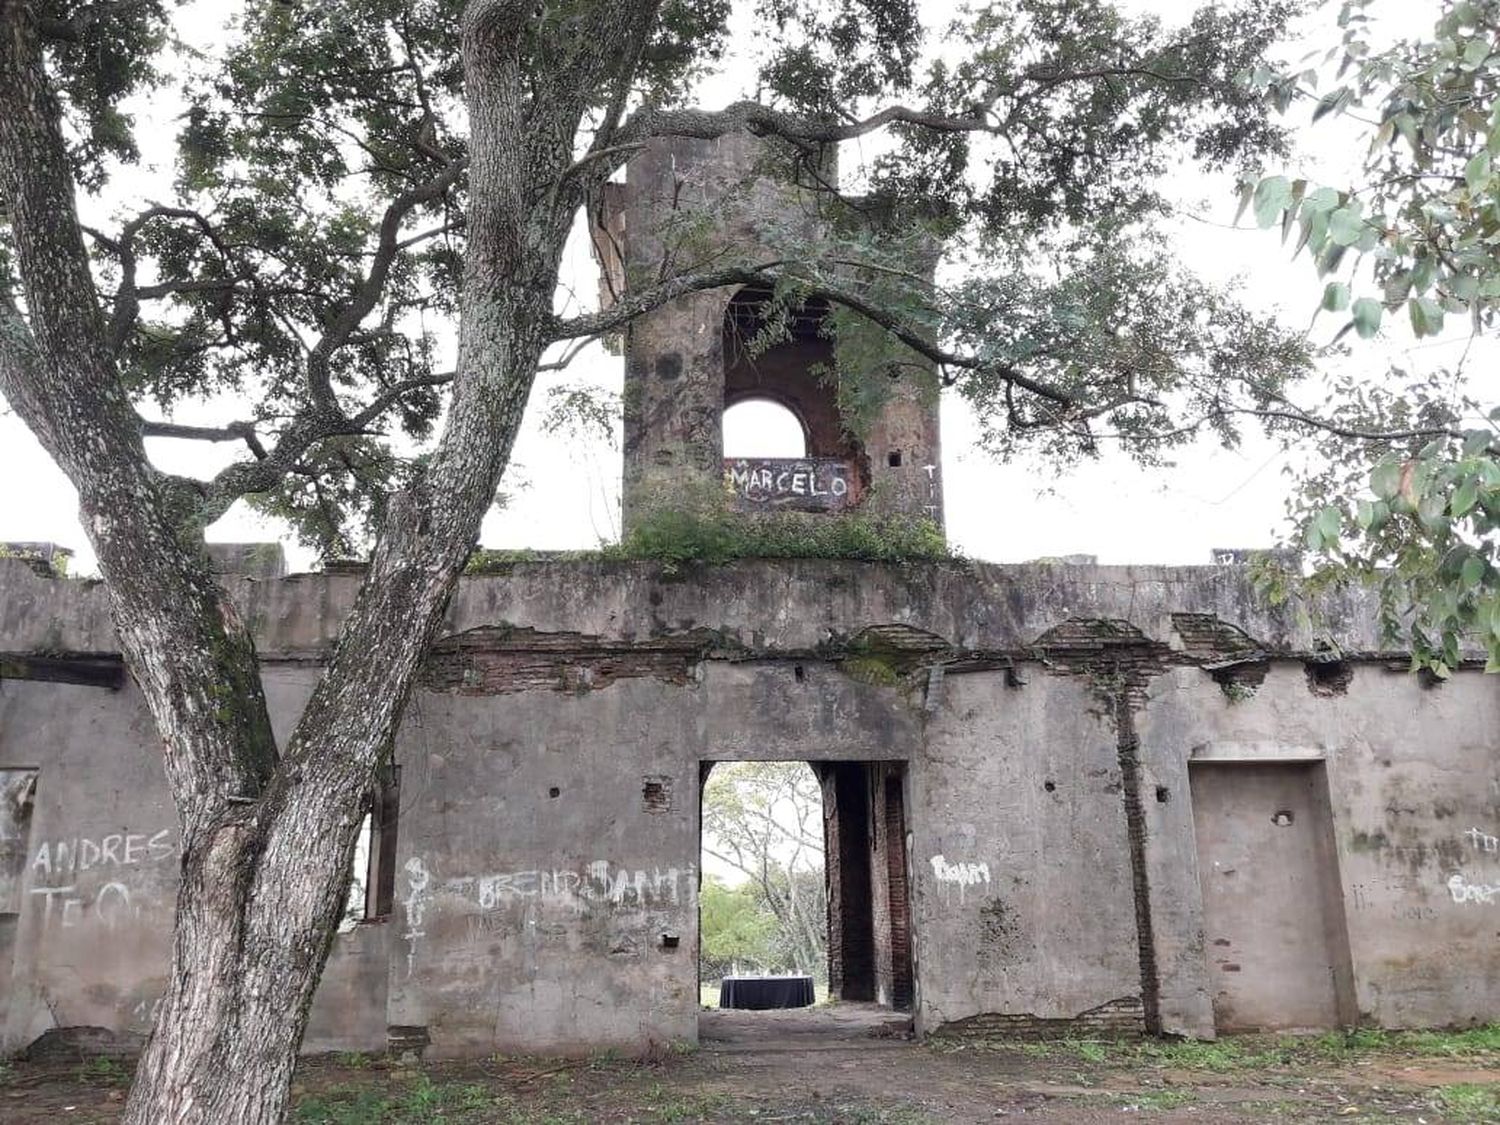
<point>1415,797</point>
<point>546,853</point>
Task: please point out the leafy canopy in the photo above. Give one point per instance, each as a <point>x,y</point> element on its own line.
<point>310,260</point>
<point>1416,239</point>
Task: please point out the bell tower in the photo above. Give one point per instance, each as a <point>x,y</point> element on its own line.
<point>684,205</point>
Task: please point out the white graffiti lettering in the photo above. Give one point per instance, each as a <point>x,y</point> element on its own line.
<point>765,484</point>
<point>599,882</point>
<point>1483,840</point>
<point>1463,891</point>
<point>964,874</point>
<point>111,905</point>
<point>417,881</point>
<point>960,875</point>
<point>61,858</point>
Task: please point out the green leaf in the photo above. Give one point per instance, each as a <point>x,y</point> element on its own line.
<point>1432,511</point>
<point>1476,442</point>
<point>1345,225</point>
<point>1272,196</point>
<point>1322,531</point>
<point>1367,312</point>
<point>1385,480</point>
<point>1426,316</point>
<point>1477,171</point>
<point>1465,497</point>
<point>1336,296</point>
<point>1473,572</point>
<point>1320,202</point>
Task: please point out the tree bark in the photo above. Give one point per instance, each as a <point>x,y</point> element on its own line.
<point>226,1039</point>
<point>267,838</point>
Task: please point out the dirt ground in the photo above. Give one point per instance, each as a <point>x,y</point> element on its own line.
<point>846,1067</point>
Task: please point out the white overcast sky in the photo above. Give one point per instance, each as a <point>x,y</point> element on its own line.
<point>565,493</point>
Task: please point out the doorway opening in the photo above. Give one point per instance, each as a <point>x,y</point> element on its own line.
<point>804,882</point>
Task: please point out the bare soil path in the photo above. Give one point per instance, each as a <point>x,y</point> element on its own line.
<point>859,1070</point>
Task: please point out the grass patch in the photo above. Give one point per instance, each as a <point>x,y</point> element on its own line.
<point>1470,1101</point>
<point>716,537</point>
<point>1218,1056</point>
<point>1256,1052</point>
<point>1468,1043</point>
<point>1158,1099</point>
<point>497,560</point>
<point>102,1072</point>
<point>423,1101</point>
<point>679,538</point>
<point>679,1108</point>
<point>1090,1050</point>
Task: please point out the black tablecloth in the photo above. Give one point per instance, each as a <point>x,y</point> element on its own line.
<point>765,992</point>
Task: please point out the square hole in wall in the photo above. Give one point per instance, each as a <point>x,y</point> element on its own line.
<point>656,793</point>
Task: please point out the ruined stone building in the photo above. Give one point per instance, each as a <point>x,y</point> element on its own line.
<point>1057,796</point>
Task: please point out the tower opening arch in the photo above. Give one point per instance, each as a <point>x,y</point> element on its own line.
<point>794,372</point>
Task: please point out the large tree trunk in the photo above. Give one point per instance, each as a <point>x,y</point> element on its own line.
<point>267,839</point>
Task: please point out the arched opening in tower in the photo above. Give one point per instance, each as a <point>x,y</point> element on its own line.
<point>785,357</point>
<point>778,385</point>
<point>762,427</point>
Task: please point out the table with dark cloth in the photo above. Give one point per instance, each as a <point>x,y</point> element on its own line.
<point>760,993</point>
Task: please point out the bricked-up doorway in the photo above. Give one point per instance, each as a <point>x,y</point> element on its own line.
<point>1273,923</point>
<point>869,960</point>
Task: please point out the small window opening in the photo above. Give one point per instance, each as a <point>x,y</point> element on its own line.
<point>894,459</point>
<point>359,878</point>
<point>759,427</point>
<point>1282,818</point>
<point>372,874</point>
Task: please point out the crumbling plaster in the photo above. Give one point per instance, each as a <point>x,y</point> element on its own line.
<point>538,883</point>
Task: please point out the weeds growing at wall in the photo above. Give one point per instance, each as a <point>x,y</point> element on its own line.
<point>420,1102</point>
<point>708,538</point>
<point>714,538</point>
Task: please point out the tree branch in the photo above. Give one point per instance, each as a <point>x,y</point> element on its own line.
<point>763,121</point>
<point>630,306</point>
<point>319,379</point>
<point>235,431</point>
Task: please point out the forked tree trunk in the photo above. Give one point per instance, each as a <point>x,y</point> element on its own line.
<point>262,890</point>
<point>267,838</point>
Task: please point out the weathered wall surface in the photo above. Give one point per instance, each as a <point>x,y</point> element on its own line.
<point>1047,719</point>
<point>91,936</point>
<point>1023,900</point>
<point>1413,777</point>
<point>679,376</point>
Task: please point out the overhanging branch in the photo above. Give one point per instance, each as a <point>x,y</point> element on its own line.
<point>633,305</point>
<point>763,121</point>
